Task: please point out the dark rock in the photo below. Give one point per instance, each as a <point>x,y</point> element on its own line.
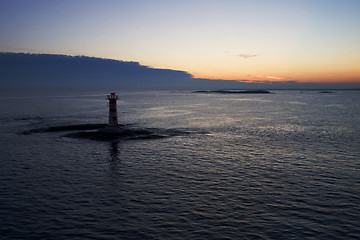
<point>101,132</point>
<point>235,91</point>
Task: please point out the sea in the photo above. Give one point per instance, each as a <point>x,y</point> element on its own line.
<point>284,165</point>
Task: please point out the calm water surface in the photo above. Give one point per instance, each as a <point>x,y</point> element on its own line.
<point>266,166</point>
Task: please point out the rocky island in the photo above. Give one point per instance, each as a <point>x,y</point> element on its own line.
<point>235,91</point>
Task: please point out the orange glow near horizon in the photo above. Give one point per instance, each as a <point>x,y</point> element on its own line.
<point>304,77</point>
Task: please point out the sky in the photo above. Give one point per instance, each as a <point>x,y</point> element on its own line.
<point>314,41</point>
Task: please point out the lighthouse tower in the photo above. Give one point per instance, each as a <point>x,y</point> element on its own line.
<point>113,119</point>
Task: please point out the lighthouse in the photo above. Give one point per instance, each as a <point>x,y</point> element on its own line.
<point>113,119</point>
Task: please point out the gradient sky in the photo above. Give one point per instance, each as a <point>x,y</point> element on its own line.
<point>254,40</point>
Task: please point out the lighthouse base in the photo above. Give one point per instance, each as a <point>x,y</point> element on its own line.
<point>113,126</point>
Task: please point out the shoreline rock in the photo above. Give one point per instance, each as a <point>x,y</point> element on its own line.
<point>235,91</point>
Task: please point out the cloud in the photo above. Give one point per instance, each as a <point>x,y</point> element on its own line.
<point>247,55</point>
<point>265,79</point>
<point>276,78</point>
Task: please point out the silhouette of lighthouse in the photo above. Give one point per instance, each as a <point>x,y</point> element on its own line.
<point>113,119</point>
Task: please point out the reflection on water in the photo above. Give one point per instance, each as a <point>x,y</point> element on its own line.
<point>114,152</point>
<point>114,158</point>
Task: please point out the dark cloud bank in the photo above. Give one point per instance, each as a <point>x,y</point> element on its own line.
<point>21,70</point>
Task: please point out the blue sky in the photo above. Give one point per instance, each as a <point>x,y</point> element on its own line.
<point>250,40</point>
